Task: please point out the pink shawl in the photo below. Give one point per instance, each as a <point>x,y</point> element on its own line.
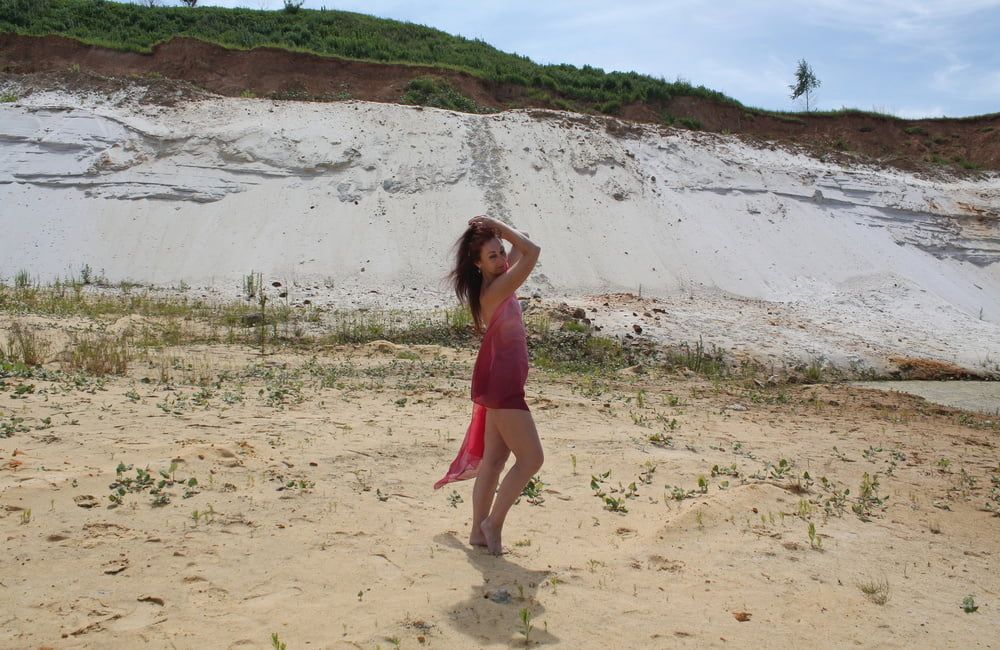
<point>497,383</point>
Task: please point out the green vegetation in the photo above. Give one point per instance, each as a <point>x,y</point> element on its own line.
<point>431,91</point>
<point>805,83</point>
<point>137,28</point>
<point>570,351</point>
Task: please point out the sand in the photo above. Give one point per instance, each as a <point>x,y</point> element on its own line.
<point>313,515</point>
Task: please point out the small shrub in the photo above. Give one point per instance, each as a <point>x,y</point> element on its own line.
<point>6,98</point>
<point>814,371</point>
<point>690,123</point>
<point>436,92</point>
<point>22,280</point>
<point>698,359</point>
<point>100,355</point>
<point>24,346</point>
<point>877,591</point>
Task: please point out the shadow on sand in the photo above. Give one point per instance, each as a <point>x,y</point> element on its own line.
<point>488,614</point>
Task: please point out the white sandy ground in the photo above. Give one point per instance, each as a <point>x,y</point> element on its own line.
<point>752,248</point>
<point>364,554</point>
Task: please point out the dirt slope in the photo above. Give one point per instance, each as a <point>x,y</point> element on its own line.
<point>961,144</point>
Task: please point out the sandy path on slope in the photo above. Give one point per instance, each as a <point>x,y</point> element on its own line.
<point>316,518</point>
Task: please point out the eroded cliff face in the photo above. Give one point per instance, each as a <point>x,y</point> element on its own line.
<point>362,201</point>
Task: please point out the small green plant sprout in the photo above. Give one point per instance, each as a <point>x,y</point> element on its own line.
<point>615,504</point>
<point>11,426</point>
<point>815,541</point>
<point>943,464</point>
<point>454,499</point>
<point>871,454</point>
<point>526,626</point>
<point>969,604</point>
<point>868,498</point>
<point>277,643</point>
<point>572,458</point>
<point>725,470</point>
<point>877,590</point>
<point>679,493</point>
<point>646,476</point>
<point>780,470</point>
<point>803,484</point>
<point>533,491</point>
<point>703,484</point>
<point>143,481</point>
<point>26,516</point>
<point>597,481</point>
<point>661,439</point>
<point>699,518</point>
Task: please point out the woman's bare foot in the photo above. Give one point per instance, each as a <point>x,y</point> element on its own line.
<point>492,537</point>
<point>477,538</point>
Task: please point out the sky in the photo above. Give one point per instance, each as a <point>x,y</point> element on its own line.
<point>911,58</point>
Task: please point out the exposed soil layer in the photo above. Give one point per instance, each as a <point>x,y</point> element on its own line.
<point>966,144</point>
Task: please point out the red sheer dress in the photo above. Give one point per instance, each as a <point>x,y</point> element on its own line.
<point>497,383</point>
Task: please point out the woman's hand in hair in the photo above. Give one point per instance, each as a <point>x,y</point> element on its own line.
<point>484,221</point>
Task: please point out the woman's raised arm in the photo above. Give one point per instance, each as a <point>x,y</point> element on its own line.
<point>519,270</point>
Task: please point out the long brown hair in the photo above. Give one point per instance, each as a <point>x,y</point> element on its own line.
<point>466,277</point>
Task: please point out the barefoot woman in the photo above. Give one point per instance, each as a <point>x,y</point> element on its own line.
<point>486,279</point>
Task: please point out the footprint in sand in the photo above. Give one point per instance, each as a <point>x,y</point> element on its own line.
<point>144,615</point>
<point>272,599</point>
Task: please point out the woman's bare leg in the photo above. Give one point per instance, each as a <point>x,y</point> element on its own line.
<point>495,454</point>
<point>517,429</point>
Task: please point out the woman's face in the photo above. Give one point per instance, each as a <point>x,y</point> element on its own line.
<point>492,258</point>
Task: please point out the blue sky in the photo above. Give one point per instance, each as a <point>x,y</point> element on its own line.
<point>912,58</point>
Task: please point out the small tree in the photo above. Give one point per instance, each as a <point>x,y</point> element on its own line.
<point>190,3</point>
<point>292,6</point>
<point>805,83</point>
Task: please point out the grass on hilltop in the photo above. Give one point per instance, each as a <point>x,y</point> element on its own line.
<point>137,28</point>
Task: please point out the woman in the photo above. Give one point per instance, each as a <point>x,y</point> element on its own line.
<point>485,279</point>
